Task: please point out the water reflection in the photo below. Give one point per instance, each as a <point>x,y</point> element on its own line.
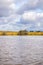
<point>21,50</point>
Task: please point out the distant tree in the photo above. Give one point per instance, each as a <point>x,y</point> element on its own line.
<point>3,33</point>
<point>31,31</point>
<point>22,32</point>
<point>38,31</point>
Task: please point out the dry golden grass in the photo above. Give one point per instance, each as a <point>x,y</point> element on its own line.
<point>35,33</point>
<point>10,33</point>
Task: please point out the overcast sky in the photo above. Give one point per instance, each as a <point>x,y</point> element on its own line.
<point>18,15</point>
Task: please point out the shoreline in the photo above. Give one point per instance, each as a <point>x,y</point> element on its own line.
<point>10,33</point>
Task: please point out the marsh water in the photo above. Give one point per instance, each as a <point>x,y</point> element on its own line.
<point>21,50</point>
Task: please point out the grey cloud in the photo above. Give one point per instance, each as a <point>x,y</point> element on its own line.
<point>4,12</point>
<point>30,5</point>
<point>6,7</point>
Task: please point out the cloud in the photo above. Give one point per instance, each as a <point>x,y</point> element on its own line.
<point>32,16</point>
<point>12,19</point>
<point>9,27</point>
<point>7,13</point>
<point>6,7</point>
<point>30,5</point>
<point>21,14</point>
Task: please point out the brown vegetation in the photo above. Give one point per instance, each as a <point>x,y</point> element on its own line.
<point>22,32</point>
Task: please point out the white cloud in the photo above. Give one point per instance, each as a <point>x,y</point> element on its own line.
<point>39,24</point>
<point>12,6</point>
<point>29,16</point>
<point>12,19</point>
<point>8,27</point>
<point>32,15</point>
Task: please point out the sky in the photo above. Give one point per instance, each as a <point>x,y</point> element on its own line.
<point>18,15</point>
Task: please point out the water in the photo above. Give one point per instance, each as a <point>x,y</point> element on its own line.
<point>21,50</point>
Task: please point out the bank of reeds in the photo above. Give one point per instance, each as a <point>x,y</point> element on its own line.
<point>10,33</point>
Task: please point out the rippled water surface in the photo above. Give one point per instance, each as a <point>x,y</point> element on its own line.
<point>21,50</point>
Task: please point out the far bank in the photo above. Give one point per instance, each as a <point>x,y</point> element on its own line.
<point>13,33</point>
